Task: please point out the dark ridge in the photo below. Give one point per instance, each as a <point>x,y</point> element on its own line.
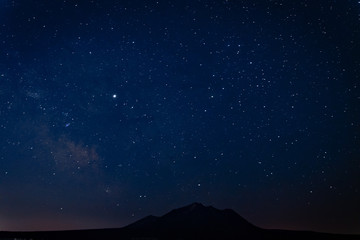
<point>191,222</point>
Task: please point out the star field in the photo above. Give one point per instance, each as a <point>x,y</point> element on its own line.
<point>114,110</point>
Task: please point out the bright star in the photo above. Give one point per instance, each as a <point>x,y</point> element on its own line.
<point>114,96</point>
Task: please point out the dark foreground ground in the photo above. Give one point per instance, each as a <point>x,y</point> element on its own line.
<point>191,222</point>
<point>119,234</point>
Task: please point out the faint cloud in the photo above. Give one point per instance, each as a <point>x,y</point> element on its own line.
<point>35,93</point>
<point>68,154</point>
<point>32,94</point>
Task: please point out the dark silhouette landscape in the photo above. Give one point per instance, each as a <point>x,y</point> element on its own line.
<point>194,221</point>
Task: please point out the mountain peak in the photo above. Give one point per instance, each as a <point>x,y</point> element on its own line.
<point>192,207</point>
<point>195,218</point>
<point>196,205</point>
<point>187,211</point>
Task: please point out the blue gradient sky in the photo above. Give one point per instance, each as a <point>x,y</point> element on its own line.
<point>114,110</point>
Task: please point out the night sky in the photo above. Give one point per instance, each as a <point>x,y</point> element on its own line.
<point>114,110</point>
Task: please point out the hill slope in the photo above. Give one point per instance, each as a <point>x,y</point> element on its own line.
<point>191,222</point>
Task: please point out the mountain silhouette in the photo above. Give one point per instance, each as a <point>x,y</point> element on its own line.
<point>195,220</point>
<point>191,222</point>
